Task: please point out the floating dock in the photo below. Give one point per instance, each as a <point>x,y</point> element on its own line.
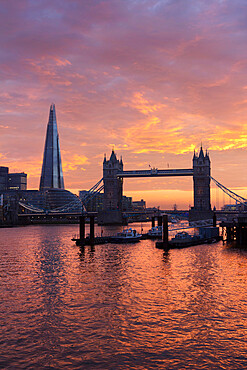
<point>207,235</point>
<point>88,241</point>
<point>186,244</point>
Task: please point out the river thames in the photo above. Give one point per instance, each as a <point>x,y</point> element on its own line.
<point>119,306</point>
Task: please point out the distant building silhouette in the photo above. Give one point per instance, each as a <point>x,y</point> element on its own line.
<point>12,181</point>
<point>17,181</point>
<point>139,205</point>
<point>52,174</point>
<point>94,203</point>
<point>4,173</point>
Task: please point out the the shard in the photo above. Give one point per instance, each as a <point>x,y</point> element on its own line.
<point>52,173</point>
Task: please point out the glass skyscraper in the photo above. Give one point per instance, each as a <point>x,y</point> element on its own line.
<point>52,173</point>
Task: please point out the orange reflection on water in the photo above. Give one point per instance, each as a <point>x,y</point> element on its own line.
<point>133,305</point>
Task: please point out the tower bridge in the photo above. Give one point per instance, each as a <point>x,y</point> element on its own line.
<point>113,175</point>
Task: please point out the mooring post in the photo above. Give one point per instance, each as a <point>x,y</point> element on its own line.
<point>228,233</point>
<point>91,230</point>
<point>153,221</point>
<point>165,231</point>
<point>82,230</point>
<point>159,220</point>
<point>214,219</point>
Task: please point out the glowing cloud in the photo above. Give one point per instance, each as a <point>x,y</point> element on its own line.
<point>153,77</point>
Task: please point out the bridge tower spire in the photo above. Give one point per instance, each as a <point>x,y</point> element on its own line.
<point>52,173</point>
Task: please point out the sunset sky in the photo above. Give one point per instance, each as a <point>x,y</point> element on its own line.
<point>153,78</point>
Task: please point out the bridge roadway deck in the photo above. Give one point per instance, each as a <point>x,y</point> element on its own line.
<point>154,172</point>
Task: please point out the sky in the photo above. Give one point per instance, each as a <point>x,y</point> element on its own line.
<point>152,78</point>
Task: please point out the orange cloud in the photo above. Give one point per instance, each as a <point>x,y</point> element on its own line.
<point>155,87</point>
<point>75,163</point>
<point>141,104</point>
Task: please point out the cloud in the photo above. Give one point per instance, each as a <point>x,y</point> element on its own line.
<point>75,163</point>
<point>154,78</point>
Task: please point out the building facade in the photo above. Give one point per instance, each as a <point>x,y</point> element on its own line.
<point>17,181</point>
<point>139,205</point>
<point>92,202</point>
<point>12,181</point>
<point>4,173</point>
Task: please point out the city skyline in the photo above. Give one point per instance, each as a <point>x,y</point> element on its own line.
<point>154,79</point>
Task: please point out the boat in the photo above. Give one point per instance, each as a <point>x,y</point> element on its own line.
<point>126,236</point>
<point>155,232</point>
<point>183,239</point>
<point>173,220</point>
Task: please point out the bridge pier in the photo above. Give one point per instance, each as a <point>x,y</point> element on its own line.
<point>241,234</point>
<point>110,217</point>
<point>236,231</point>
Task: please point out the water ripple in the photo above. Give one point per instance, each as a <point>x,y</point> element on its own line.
<point>119,306</point>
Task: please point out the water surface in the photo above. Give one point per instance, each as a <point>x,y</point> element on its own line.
<point>119,306</point>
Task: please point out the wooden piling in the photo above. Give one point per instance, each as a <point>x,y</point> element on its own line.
<point>159,220</point>
<point>214,220</point>
<point>164,243</point>
<point>165,231</point>
<point>153,221</point>
<point>91,230</point>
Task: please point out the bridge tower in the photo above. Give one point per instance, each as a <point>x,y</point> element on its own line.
<point>113,191</point>
<point>201,179</point>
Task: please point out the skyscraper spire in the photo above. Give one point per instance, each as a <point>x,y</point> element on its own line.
<point>52,173</point>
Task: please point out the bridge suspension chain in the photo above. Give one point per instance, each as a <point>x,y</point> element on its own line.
<point>96,189</point>
<point>230,193</point>
<point>31,208</point>
<point>93,188</point>
<point>67,207</point>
